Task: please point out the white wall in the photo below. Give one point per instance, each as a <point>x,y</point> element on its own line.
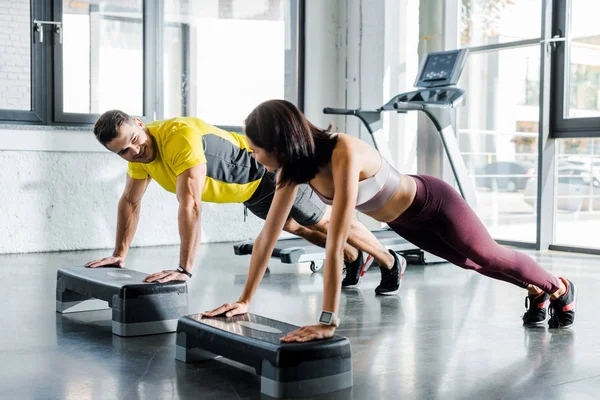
<point>325,50</point>
<point>359,54</point>
<point>63,199</point>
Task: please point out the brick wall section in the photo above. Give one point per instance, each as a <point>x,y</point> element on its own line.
<point>15,55</point>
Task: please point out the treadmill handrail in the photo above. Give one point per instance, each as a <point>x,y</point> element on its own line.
<point>347,111</point>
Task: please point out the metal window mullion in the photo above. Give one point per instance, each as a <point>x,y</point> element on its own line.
<point>55,73</point>
<point>151,58</point>
<point>299,24</point>
<point>41,66</point>
<point>546,144</point>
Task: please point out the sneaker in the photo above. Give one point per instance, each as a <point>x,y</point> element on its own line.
<point>391,279</point>
<point>536,305</point>
<point>356,269</point>
<point>562,310</point>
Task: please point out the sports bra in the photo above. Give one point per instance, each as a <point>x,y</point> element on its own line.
<point>375,191</point>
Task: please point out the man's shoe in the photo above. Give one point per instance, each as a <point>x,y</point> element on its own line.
<point>356,269</point>
<point>391,279</point>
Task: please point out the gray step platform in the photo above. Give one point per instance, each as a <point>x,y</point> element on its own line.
<point>138,308</point>
<point>286,369</point>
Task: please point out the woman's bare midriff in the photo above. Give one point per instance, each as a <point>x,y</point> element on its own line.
<point>399,203</point>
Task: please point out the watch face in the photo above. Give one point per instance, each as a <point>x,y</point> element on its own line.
<point>325,317</point>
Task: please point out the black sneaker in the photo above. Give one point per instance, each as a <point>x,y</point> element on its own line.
<point>356,269</point>
<point>391,279</point>
<point>536,305</point>
<point>562,310</point>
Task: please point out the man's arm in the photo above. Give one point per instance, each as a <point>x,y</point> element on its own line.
<point>128,217</point>
<point>189,194</point>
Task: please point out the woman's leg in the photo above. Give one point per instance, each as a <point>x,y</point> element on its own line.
<point>433,244</point>
<point>458,226</point>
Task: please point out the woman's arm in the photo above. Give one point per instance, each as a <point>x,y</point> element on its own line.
<point>267,238</point>
<point>261,252</point>
<point>346,171</point>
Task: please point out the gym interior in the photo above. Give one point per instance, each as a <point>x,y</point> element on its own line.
<point>500,99</point>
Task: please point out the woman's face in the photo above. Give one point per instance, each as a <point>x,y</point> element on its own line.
<point>263,156</point>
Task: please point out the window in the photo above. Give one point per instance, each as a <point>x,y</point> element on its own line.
<point>486,22</point>
<point>15,56</point>
<point>497,134</point>
<point>577,62</point>
<point>20,62</point>
<point>215,59</point>
<point>577,201</point>
<point>516,96</point>
<point>222,58</point>
<point>102,57</point>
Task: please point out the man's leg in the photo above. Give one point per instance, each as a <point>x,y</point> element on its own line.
<point>317,237</point>
<point>359,237</point>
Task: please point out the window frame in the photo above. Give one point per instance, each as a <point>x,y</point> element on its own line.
<point>39,62</point>
<point>564,127</point>
<point>47,68</point>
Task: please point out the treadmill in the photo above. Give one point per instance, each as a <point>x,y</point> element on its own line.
<point>436,96</point>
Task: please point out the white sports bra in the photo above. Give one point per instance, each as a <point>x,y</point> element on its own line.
<point>375,191</point>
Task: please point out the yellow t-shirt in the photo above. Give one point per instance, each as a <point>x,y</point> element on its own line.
<point>232,175</point>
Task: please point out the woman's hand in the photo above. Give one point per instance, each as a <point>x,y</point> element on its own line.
<point>308,333</point>
<point>229,309</point>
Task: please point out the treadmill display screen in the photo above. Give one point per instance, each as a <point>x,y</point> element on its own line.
<point>441,69</point>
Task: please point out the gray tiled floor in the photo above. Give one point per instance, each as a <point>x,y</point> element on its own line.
<point>449,334</point>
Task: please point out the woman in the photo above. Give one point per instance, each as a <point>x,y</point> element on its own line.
<point>350,174</point>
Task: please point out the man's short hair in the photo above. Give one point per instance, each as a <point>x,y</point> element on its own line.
<point>106,127</point>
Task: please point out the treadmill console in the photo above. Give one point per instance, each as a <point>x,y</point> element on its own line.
<point>441,69</point>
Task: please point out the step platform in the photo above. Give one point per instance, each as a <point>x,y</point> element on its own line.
<point>138,308</point>
<point>286,369</point>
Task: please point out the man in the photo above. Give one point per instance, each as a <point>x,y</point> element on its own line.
<point>199,162</point>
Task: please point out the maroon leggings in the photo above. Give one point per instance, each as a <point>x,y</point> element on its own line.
<point>441,222</point>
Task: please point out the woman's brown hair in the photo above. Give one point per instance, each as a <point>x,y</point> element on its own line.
<point>300,148</point>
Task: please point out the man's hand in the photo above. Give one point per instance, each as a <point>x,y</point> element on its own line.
<point>107,261</point>
<point>308,333</point>
<point>166,276</point>
<point>229,309</point>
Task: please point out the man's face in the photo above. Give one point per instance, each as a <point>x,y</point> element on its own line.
<point>133,143</point>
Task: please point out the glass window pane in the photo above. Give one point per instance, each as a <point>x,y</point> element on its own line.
<point>103,58</point>
<point>15,55</point>
<point>577,202</point>
<point>224,57</point>
<point>584,60</point>
<point>487,22</point>
<point>497,131</point>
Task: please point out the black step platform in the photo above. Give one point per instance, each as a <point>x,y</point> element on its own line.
<point>286,369</point>
<point>138,308</point>
<point>297,250</point>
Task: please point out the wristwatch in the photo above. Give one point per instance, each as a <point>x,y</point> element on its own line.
<point>183,271</point>
<point>329,318</point>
